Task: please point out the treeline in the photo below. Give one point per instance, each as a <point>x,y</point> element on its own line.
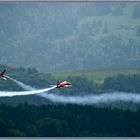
<point>124,83</point>
<point>67,121</point>
<point>130,83</point>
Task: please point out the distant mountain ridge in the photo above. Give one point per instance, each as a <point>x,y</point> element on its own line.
<point>70,36</point>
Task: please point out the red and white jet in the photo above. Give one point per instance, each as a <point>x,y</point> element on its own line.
<point>63,84</point>
<point>2,75</point>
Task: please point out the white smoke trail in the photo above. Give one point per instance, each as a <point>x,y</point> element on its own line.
<point>30,89</point>
<point>23,86</point>
<point>106,98</point>
<point>19,93</point>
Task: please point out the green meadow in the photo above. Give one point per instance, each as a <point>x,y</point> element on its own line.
<point>98,74</point>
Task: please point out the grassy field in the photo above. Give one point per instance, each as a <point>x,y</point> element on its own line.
<point>97,75</point>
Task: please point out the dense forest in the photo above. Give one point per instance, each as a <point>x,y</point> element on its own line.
<point>67,121</point>
<point>70,36</point>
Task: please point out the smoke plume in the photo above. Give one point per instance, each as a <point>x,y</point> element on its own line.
<point>30,89</point>
<point>20,84</point>
<point>19,93</point>
<point>106,98</point>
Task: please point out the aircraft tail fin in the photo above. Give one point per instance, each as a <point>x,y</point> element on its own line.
<point>57,82</point>
<point>3,72</point>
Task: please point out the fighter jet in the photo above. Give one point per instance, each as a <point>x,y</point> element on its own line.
<point>2,75</point>
<point>63,84</point>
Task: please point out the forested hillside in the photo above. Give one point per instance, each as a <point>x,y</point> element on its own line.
<point>70,36</point>
<point>67,121</point>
